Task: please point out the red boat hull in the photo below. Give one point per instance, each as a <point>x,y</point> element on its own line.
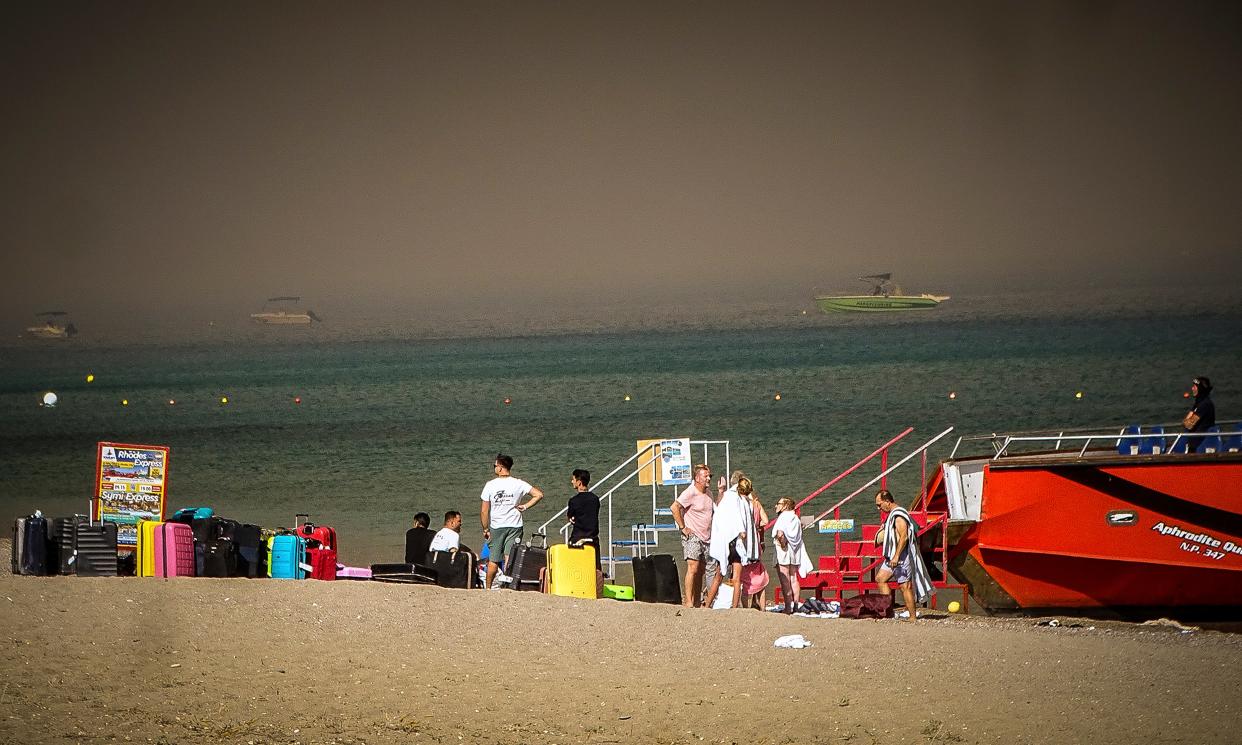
<point>1119,533</point>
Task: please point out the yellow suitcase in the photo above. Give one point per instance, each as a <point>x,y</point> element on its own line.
<point>145,551</point>
<point>571,571</point>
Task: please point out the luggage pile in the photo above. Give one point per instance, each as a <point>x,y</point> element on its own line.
<point>194,542</point>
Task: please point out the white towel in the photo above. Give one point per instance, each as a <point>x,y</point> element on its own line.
<point>795,554</point>
<point>727,524</point>
<point>792,641</point>
<point>919,581</point>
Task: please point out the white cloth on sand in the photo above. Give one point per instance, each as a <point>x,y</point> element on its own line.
<point>791,641</point>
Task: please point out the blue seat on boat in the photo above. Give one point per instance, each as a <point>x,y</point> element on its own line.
<point>1152,442</point>
<point>1129,442</point>
<point>1233,443</point>
<point>1212,443</point>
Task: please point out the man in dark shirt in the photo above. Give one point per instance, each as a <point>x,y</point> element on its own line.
<point>583,512</point>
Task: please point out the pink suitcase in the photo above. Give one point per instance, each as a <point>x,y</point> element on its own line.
<point>174,550</point>
<point>344,572</point>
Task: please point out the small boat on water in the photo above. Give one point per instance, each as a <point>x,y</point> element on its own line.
<point>55,326</point>
<point>283,311</point>
<point>884,296</point>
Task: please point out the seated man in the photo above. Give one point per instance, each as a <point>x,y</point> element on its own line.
<point>418,539</point>
<point>449,537</point>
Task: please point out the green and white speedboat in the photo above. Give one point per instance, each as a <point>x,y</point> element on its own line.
<point>884,297</point>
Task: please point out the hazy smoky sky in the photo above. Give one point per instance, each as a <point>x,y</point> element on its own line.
<point>158,154</point>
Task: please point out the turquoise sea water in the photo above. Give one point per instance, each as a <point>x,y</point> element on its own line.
<point>392,424</point>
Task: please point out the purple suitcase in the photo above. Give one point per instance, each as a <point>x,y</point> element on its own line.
<point>174,550</point>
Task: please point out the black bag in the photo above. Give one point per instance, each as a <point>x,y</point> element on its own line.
<point>452,568</point>
<point>525,566</point>
<point>251,554</point>
<point>656,580</point>
<point>867,606</point>
<point>417,544</point>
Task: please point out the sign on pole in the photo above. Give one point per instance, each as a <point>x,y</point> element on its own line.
<point>130,485</point>
<point>675,461</point>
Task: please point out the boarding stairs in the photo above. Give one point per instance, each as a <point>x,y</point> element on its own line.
<point>851,566</point>
<point>644,536</point>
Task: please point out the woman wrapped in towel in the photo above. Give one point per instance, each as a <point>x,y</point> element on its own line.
<point>735,540</point>
<point>792,560</point>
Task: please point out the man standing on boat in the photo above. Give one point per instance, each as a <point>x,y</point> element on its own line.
<point>1202,414</point>
<point>902,561</point>
<point>501,513</point>
<point>692,511</point>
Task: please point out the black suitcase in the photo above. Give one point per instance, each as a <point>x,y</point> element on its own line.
<point>453,568</point>
<point>525,566</point>
<point>417,544</point>
<point>219,558</point>
<point>64,529</point>
<point>251,554</point>
<point>656,580</point>
<point>414,574</point>
<point>30,546</point>
<point>94,549</point>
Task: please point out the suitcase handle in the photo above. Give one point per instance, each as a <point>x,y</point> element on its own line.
<point>305,516</point>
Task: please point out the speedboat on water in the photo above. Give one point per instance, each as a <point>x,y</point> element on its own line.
<point>283,311</point>
<point>884,296</point>
<point>1131,522</point>
<point>55,326</point>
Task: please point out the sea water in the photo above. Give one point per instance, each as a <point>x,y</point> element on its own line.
<point>392,423</point>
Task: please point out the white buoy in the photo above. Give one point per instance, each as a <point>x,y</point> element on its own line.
<point>50,399</point>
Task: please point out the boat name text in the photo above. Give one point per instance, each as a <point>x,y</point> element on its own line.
<point>1205,540</point>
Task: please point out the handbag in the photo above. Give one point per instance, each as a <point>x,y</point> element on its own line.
<point>1190,420</point>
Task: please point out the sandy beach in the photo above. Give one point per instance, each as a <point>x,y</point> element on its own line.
<point>258,661</point>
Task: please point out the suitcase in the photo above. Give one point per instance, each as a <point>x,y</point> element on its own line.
<point>325,535</point>
<point>63,531</point>
<point>30,555</point>
<point>322,561</point>
<point>656,580</point>
<point>413,574</point>
<point>344,572</point>
<point>251,551</point>
<point>571,571</point>
<point>286,557</point>
<point>94,548</point>
<point>144,550</point>
<point>526,565</point>
<point>453,569</point>
<point>219,558</point>
<point>188,514</point>
<point>417,544</point>
<point>174,551</point>
<point>619,592</point>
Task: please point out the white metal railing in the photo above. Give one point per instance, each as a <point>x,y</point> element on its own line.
<point>1005,444</point>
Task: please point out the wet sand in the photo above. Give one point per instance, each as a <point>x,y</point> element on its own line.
<point>260,661</point>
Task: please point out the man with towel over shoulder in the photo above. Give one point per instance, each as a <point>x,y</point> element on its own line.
<point>902,561</point>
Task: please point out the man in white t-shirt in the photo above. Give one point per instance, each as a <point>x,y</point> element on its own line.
<point>501,512</point>
<point>449,537</point>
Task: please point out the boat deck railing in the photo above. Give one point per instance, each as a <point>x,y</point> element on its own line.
<point>1148,439</point>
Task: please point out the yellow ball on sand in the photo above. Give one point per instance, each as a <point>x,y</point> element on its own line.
<point>954,606</point>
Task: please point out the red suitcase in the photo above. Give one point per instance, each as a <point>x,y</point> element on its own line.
<point>322,562</point>
<point>312,532</point>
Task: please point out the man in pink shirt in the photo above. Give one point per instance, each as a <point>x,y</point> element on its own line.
<point>692,511</point>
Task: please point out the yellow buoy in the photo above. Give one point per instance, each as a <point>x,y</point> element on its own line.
<point>627,398</point>
<point>1078,394</point>
<point>172,402</point>
<point>125,402</point>
<point>224,399</point>
<point>954,606</point>
<point>952,395</point>
<point>777,397</point>
<point>90,378</point>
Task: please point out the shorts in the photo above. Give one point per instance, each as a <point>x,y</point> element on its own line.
<point>734,556</point>
<point>901,572</point>
<point>502,540</point>
<point>694,548</point>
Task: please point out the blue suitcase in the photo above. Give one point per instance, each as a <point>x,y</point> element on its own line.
<point>286,557</point>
